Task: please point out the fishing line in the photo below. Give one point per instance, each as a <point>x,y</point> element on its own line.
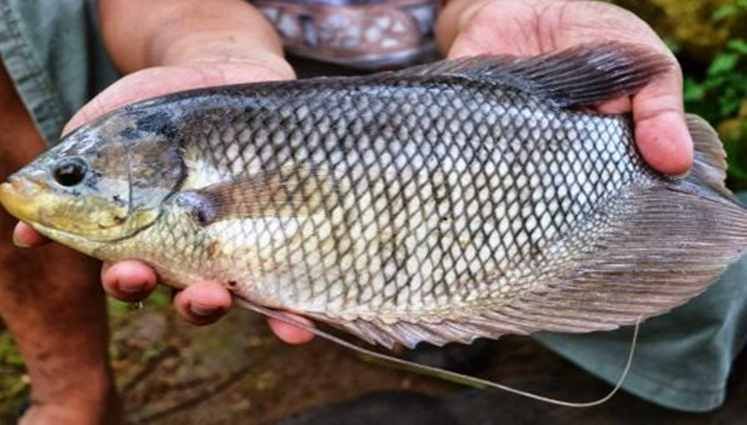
<point>442,373</point>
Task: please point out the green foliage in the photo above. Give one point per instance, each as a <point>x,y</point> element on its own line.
<point>13,384</point>
<point>724,86</point>
<point>721,97</point>
<point>9,355</point>
<point>160,298</point>
<point>730,10</point>
<point>725,81</point>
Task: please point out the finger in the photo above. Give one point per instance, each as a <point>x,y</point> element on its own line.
<point>128,280</point>
<point>192,63</point>
<point>24,236</point>
<point>453,19</point>
<point>660,129</point>
<point>618,106</point>
<point>138,86</point>
<point>291,334</point>
<point>159,81</point>
<point>202,303</point>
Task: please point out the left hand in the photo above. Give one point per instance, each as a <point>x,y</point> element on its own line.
<point>532,27</point>
<point>179,45</point>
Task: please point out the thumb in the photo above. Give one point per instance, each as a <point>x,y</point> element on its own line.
<point>660,129</point>
<point>200,63</point>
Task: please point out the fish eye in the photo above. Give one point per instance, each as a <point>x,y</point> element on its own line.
<point>70,171</point>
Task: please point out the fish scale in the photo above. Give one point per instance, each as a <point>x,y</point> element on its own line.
<point>461,199</point>
<point>433,255</point>
<point>457,265</point>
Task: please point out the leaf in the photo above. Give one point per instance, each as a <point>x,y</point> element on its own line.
<point>118,308</point>
<point>729,105</point>
<point>9,354</point>
<point>737,157</point>
<point>159,298</point>
<point>738,45</point>
<point>715,82</point>
<point>694,91</point>
<point>729,10</point>
<point>724,12</point>
<point>723,63</point>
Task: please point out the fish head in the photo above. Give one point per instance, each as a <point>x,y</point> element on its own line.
<point>102,183</point>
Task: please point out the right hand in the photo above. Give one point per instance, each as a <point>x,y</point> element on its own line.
<point>189,60</point>
<point>532,27</point>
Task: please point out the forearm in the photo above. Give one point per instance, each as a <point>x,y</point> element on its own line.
<point>50,300</point>
<point>146,33</point>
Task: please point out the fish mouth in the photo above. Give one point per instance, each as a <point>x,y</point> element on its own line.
<point>18,196</point>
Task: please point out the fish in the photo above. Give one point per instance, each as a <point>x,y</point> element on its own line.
<point>465,198</point>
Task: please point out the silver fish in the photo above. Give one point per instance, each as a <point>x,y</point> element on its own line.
<point>467,198</point>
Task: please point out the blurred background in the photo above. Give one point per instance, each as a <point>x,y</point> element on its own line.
<point>236,372</point>
<point>710,41</point>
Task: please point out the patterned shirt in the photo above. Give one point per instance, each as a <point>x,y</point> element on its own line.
<point>360,33</point>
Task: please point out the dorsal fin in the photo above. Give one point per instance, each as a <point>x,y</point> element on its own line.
<point>583,75</point>
<point>709,165</point>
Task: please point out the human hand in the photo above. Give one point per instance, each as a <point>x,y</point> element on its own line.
<point>531,27</point>
<point>241,47</point>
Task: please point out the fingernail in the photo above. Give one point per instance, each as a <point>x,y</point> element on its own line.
<point>199,310</point>
<point>131,288</point>
<point>17,242</point>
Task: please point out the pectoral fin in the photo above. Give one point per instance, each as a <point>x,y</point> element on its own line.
<point>291,192</point>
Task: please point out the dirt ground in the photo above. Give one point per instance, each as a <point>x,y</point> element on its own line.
<point>236,372</point>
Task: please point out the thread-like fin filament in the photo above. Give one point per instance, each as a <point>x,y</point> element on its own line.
<point>442,373</point>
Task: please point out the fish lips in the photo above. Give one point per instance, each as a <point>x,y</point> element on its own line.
<point>35,203</point>
<point>19,197</point>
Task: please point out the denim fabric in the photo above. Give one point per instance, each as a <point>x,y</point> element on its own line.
<point>683,358</point>
<point>54,55</point>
